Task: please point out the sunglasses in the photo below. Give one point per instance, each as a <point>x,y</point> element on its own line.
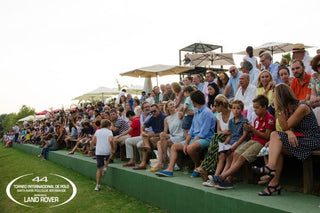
<point>232,71</point>
<point>318,66</point>
<point>153,111</point>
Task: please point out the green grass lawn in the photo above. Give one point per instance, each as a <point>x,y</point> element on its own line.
<point>14,163</point>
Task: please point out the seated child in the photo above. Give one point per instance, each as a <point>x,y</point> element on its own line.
<point>50,144</point>
<point>187,110</point>
<point>264,124</point>
<point>238,136</point>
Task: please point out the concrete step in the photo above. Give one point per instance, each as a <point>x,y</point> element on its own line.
<point>182,193</point>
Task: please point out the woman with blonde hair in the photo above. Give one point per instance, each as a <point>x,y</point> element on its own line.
<point>210,164</point>
<point>171,134</point>
<point>300,135</point>
<point>177,89</point>
<point>265,84</point>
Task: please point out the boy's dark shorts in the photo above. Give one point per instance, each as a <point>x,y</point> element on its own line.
<point>101,159</point>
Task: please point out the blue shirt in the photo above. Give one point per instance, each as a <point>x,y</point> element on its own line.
<point>200,86</point>
<point>237,128</point>
<point>148,129</point>
<point>157,123</point>
<point>234,82</point>
<point>131,104</point>
<point>273,69</point>
<point>203,123</point>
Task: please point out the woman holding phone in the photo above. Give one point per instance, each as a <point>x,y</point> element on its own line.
<point>300,135</point>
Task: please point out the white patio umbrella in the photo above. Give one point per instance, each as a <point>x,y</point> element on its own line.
<point>210,59</point>
<point>28,118</point>
<point>100,93</point>
<point>156,70</point>
<point>135,89</point>
<point>273,48</point>
<point>33,118</point>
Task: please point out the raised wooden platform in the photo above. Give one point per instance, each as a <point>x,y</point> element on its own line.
<point>182,193</point>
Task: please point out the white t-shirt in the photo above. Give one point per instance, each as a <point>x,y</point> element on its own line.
<point>103,145</point>
<point>252,60</point>
<point>248,96</point>
<point>223,125</point>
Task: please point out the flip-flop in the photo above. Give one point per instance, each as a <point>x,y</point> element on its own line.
<point>128,164</point>
<point>154,169</point>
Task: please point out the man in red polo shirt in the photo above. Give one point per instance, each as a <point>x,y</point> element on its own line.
<point>299,84</point>
<point>133,131</point>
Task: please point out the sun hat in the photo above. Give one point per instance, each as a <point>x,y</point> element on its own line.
<point>298,47</point>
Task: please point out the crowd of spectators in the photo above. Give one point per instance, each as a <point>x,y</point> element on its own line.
<point>230,117</point>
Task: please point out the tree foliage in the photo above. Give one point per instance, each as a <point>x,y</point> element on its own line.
<point>7,121</point>
<point>120,87</point>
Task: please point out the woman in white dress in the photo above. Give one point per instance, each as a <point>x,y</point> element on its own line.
<point>172,133</point>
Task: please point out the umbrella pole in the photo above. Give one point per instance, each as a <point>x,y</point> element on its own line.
<point>157,80</point>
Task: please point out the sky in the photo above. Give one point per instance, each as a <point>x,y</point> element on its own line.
<point>53,51</point>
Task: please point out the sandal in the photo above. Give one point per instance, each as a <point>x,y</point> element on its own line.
<point>275,188</point>
<point>265,171</point>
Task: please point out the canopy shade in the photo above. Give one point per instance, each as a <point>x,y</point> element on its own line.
<point>135,89</point>
<point>200,48</point>
<point>210,58</point>
<point>273,48</point>
<point>156,70</point>
<point>99,93</point>
<point>33,118</point>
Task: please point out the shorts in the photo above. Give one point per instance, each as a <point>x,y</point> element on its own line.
<point>81,145</point>
<point>101,159</point>
<point>187,121</point>
<point>176,139</point>
<point>203,142</point>
<point>250,150</point>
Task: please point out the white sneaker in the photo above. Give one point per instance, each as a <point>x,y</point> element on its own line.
<point>176,167</point>
<point>97,188</point>
<point>104,170</point>
<point>209,183</point>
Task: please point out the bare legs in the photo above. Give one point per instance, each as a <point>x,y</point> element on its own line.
<point>146,148</point>
<point>162,145</point>
<point>221,161</point>
<point>192,150</point>
<point>275,157</point>
<point>174,155</point>
<point>236,164</point>
<point>98,175</point>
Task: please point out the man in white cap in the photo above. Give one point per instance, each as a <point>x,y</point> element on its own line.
<point>299,53</point>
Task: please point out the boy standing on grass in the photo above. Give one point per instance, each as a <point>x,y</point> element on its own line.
<point>264,124</point>
<point>102,138</point>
